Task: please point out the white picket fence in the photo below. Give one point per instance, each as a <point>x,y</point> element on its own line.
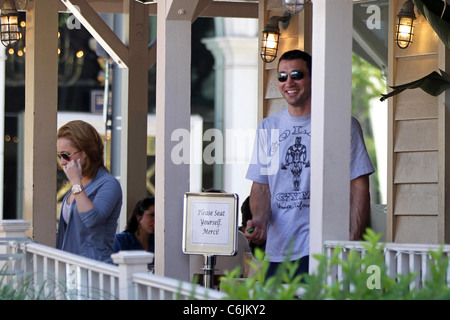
<point>399,258</point>
<point>55,274</point>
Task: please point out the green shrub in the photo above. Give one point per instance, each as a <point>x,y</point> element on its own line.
<point>364,277</point>
<point>282,286</point>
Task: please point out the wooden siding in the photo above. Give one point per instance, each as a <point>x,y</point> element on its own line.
<point>414,213</point>
<point>416,135</point>
<point>417,229</point>
<point>416,167</point>
<point>296,36</point>
<point>416,104</point>
<point>414,199</point>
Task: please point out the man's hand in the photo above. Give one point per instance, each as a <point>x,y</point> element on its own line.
<point>256,230</point>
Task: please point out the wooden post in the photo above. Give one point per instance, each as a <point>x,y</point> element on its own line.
<point>41,99</point>
<point>133,160</point>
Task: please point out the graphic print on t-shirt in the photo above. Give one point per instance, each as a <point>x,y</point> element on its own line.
<point>294,159</point>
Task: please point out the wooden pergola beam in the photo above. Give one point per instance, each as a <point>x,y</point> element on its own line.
<point>99,30</point>
<point>227,9</point>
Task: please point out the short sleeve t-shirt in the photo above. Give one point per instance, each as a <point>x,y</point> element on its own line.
<point>281,159</point>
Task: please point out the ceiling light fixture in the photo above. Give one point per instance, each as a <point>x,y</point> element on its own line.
<point>294,6</point>
<point>405,26</point>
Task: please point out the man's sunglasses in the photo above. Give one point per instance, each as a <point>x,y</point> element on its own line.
<point>66,156</point>
<point>295,75</point>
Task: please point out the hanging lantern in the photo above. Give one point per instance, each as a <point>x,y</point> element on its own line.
<point>271,35</point>
<point>9,24</point>
<point>405,26</point>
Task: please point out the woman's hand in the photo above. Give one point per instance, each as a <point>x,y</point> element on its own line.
<point>73,171</point>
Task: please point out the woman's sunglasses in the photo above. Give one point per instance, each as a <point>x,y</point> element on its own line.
<point>295,75</point>
<point>66,156</point>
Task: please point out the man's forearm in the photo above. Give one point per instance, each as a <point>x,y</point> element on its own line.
<point>359,207</point>
<point>260,202</point>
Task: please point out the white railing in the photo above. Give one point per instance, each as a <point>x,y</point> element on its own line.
<point>55,274</point>
<point>11,258</point>
<point>399,259</point>
<point>60,275</point>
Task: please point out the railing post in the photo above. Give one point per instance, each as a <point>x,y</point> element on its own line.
<point>13,228</point>
<point>12,233</point>
<point>130,262</point>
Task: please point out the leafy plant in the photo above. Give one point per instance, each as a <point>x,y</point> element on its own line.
<point>22,287</point>
<point>363,275</point>
<point>18,288</point>
<point>282,286</point>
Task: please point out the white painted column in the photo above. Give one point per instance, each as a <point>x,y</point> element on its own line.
<point>331,112</point>
<point>236,63</point>
<point>236,66</point>
<point>173,78</point>
<point>240,113</point>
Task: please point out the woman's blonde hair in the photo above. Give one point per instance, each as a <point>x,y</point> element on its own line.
<point>85,138</point>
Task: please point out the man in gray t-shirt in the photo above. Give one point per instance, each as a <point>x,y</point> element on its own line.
<point>280,171</point>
